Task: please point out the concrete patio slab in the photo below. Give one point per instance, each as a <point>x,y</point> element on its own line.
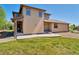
<point>37,35</point>
<point>7,39</point>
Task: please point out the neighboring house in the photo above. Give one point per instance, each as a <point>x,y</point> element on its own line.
<point>30,20</point>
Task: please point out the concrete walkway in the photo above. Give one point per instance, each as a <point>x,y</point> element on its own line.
<point>37,35</point>
<point>7,39</point>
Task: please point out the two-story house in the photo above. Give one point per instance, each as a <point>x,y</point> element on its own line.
<point>30,20</point>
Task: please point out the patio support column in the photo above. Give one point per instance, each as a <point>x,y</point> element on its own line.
<point>43,22</point>
<point>15,29</point>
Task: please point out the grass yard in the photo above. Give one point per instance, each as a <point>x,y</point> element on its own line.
<point>42,46</point>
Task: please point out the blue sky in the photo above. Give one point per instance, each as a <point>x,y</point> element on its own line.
<point>66,12</point>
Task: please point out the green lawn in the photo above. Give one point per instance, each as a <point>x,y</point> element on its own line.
<point>46,46</point>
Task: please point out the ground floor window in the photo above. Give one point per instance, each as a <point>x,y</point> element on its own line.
<point>55,25</point>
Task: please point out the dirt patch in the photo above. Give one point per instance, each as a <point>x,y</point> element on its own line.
<point>69,35</point>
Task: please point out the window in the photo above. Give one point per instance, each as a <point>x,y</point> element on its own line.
<point>17,15</point>
<point>46,17</point>
<point>40,14</point>
<point>55,25</point>
<point>28,12</point>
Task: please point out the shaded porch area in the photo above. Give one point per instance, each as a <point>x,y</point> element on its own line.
<point>47,27</point>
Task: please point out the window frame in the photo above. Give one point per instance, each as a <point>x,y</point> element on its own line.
<point>46,17</point>
<point>17,14</point>
<point>40,14</point>
<point>28,12</point>
<point>55,25</point>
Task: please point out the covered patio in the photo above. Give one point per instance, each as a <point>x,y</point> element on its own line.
<point>47,26</point>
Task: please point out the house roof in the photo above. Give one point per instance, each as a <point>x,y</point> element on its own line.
<point>56,21</point>
<point>22,5</point>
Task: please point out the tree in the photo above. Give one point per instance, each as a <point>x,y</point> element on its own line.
<point>72,27</point>
<point>9,25</point>
<point>2,18</point>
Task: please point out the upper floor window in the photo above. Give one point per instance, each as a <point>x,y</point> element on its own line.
<point>28,12</point>
<point>40,14</point>
<point>46,17</point>
<point>55,25</point>
<point>17,15</point>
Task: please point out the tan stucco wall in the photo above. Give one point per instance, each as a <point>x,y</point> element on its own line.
<point>33,23</point>
<point>61,27</point>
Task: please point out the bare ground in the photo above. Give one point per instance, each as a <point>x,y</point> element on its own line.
<point>69,35</point>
